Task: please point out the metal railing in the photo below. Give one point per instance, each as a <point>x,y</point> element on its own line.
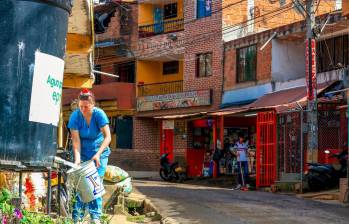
<point>160,88</point>
<point>160,28</point>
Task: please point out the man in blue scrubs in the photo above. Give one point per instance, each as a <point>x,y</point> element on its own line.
<point>90,132</point>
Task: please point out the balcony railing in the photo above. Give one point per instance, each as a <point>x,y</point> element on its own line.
<point>162,27</point>
<point>160,88</point>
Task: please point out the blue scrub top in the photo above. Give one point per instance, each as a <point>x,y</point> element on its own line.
<point>91,136</point>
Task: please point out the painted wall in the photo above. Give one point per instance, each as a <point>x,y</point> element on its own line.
<point>288,60</point>
<point>151,72</point>
<point>146,12</point>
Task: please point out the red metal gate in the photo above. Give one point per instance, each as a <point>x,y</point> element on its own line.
<point>266,149</point>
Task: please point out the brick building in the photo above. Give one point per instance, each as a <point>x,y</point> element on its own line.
<point>173,49</point>
<point>264,77</point>
<point>191,58</point>
<point>193,43</point>
<point>115,33</point>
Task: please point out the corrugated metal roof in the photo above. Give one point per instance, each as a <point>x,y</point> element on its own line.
<point>280,101</point>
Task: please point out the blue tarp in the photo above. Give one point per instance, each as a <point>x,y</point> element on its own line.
<point>243,96</point>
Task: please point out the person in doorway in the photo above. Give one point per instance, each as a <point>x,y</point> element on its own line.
<point>90,132</point>
<point>241,148</point>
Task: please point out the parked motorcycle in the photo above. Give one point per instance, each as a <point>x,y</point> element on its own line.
<point>170,172</point>
<point>324,176</point>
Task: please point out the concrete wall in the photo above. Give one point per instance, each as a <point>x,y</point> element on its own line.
<point>288,60</point>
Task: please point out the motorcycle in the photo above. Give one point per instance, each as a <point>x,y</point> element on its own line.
<point>169,172</point>
<point>324,176</point>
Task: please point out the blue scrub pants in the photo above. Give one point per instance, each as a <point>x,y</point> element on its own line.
<point>95,207</point>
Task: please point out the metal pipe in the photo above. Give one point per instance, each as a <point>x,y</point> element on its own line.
<point>105,73</point>
<point>338,91</point>
<point>302,149</point>
<point>347,191</point>
<point>49,192</point>
<point>59,192</point>
<point>267,42</point>
<point>20,188</point>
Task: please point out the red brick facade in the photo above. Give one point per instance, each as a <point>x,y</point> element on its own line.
<point>203,35</point>
<point>160,45</point>
<point>199,36</point>
<point>145,154</point>
<point>267,14</point>
<point>263,73</point>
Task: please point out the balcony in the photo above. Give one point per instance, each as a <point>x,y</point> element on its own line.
<point>161,28</point>
<point>160,88</point>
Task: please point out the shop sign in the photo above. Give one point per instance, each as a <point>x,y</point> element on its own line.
<point>46,92</point>
<point>310,78</point>
<point>174,100</point>
<point>168,124</point>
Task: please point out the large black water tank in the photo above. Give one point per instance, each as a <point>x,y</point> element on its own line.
<point>25,27</point>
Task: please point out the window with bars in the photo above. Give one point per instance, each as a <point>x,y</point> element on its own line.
<point>246,64</point>
<point>170,11</point>
<point>204,65</point>
<point>332,53</point>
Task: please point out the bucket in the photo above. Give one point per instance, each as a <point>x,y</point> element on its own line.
<point>87,181</point>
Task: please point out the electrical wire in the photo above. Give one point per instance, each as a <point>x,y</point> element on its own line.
<point>193,38</point>
<point>203,37</point>
<point>212,13</point>
<point>224,30</point>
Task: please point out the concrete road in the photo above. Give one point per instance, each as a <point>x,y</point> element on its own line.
<point>190,204</point>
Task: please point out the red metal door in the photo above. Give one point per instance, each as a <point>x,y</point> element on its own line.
<point>266,149</point>
<point>167,143</point>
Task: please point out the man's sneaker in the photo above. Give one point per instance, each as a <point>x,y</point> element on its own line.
<point>248,186</point>
<point>237,187</point>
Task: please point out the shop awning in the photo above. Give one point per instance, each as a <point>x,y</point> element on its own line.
<point>280,101</point>
<point>243,96</point>
<point>178,116</point>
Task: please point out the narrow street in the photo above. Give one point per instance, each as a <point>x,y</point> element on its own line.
<point>208,205</point>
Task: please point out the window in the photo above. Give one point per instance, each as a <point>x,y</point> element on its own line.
<point>204,65</point>
<point>246,64</point>
<point>203,8</point>
<point>126,72</point>
<point>332,53</point>
<point>98,79</point>
<point>170,11</point>
<point>170,67</point>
